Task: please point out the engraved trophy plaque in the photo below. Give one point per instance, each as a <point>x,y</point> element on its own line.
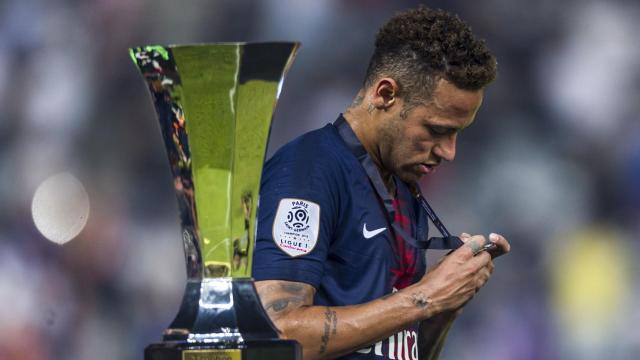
<point>215,104</point>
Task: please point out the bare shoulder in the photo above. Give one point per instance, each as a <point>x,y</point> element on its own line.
<point>278,297</point>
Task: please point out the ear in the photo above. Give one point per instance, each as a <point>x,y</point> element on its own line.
<point>386,93</point>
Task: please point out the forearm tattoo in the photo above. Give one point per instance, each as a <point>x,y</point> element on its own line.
<point>330,328</point>
<point>420,300</point>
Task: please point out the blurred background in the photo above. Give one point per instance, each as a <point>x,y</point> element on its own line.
<point>552,162</point>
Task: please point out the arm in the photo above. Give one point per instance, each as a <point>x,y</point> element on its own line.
<point>322,330</point>
<point>328,332</point>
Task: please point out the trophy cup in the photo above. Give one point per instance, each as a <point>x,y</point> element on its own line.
<point>215,104</point>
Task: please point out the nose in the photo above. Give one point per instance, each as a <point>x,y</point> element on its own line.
<point>446,147</point>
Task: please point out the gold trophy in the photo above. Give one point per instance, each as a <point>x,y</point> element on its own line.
<point>215,104</point>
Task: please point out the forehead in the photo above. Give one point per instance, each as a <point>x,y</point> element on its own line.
<point>452,106</point>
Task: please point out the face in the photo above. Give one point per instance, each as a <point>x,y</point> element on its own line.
<point>414,145</point>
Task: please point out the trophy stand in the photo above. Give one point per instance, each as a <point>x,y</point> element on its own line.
<point>215,104</point>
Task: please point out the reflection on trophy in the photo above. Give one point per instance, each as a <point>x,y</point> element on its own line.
<point>215,104</point>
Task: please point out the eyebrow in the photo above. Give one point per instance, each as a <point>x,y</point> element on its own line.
<point>449,127</point>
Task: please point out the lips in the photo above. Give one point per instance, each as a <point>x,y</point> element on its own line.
<point>426,168</point>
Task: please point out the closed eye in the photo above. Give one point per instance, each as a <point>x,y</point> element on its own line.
<point>440,130</point>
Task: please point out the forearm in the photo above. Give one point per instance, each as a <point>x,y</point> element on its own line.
<point>328,332</point>
<point>432,335</point>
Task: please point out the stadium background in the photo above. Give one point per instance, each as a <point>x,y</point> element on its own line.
<point>553,162</point>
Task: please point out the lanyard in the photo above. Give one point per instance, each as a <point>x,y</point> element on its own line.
<point>425,212</point>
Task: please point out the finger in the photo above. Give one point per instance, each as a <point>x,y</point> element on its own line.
<point>482,279</point>
<point>503,246</point>
<point>485,274</point>
<point>479,261</point>
<point>476,243</point>
<point>488,246</point>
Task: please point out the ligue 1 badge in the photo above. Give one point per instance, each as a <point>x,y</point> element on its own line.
<point>296,225</point>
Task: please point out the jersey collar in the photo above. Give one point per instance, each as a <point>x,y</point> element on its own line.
<point>358,150</point>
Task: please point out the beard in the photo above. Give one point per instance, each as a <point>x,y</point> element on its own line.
<point>394,153</point>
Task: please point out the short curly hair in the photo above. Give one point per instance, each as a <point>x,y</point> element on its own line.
<point>417,47</point>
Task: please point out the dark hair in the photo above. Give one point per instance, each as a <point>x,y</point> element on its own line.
<point>417,47</point>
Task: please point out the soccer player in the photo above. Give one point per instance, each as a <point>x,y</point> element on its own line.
<point>336,263</point>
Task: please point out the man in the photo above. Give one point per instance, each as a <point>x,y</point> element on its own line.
<point>335,262</point>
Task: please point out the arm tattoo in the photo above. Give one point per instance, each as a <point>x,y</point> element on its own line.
<point>288,295</point>
<point>419,300</point>
<point>330,328</point>
<point>292,288</point>
<point>282,304</point>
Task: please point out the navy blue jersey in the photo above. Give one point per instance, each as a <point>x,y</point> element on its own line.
<point>321,222</point>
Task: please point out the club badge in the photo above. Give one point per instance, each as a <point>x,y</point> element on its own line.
<point>296,225</point>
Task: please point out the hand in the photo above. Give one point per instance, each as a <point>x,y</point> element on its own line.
<point>455,280</point>
<point>501,247</point>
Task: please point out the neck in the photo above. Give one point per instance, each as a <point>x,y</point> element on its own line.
<point>363,124</point>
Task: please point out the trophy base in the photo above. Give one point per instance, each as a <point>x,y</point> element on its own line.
<point>250,350</point>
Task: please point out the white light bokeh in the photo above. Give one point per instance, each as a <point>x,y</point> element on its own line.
<point>60,208</point>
